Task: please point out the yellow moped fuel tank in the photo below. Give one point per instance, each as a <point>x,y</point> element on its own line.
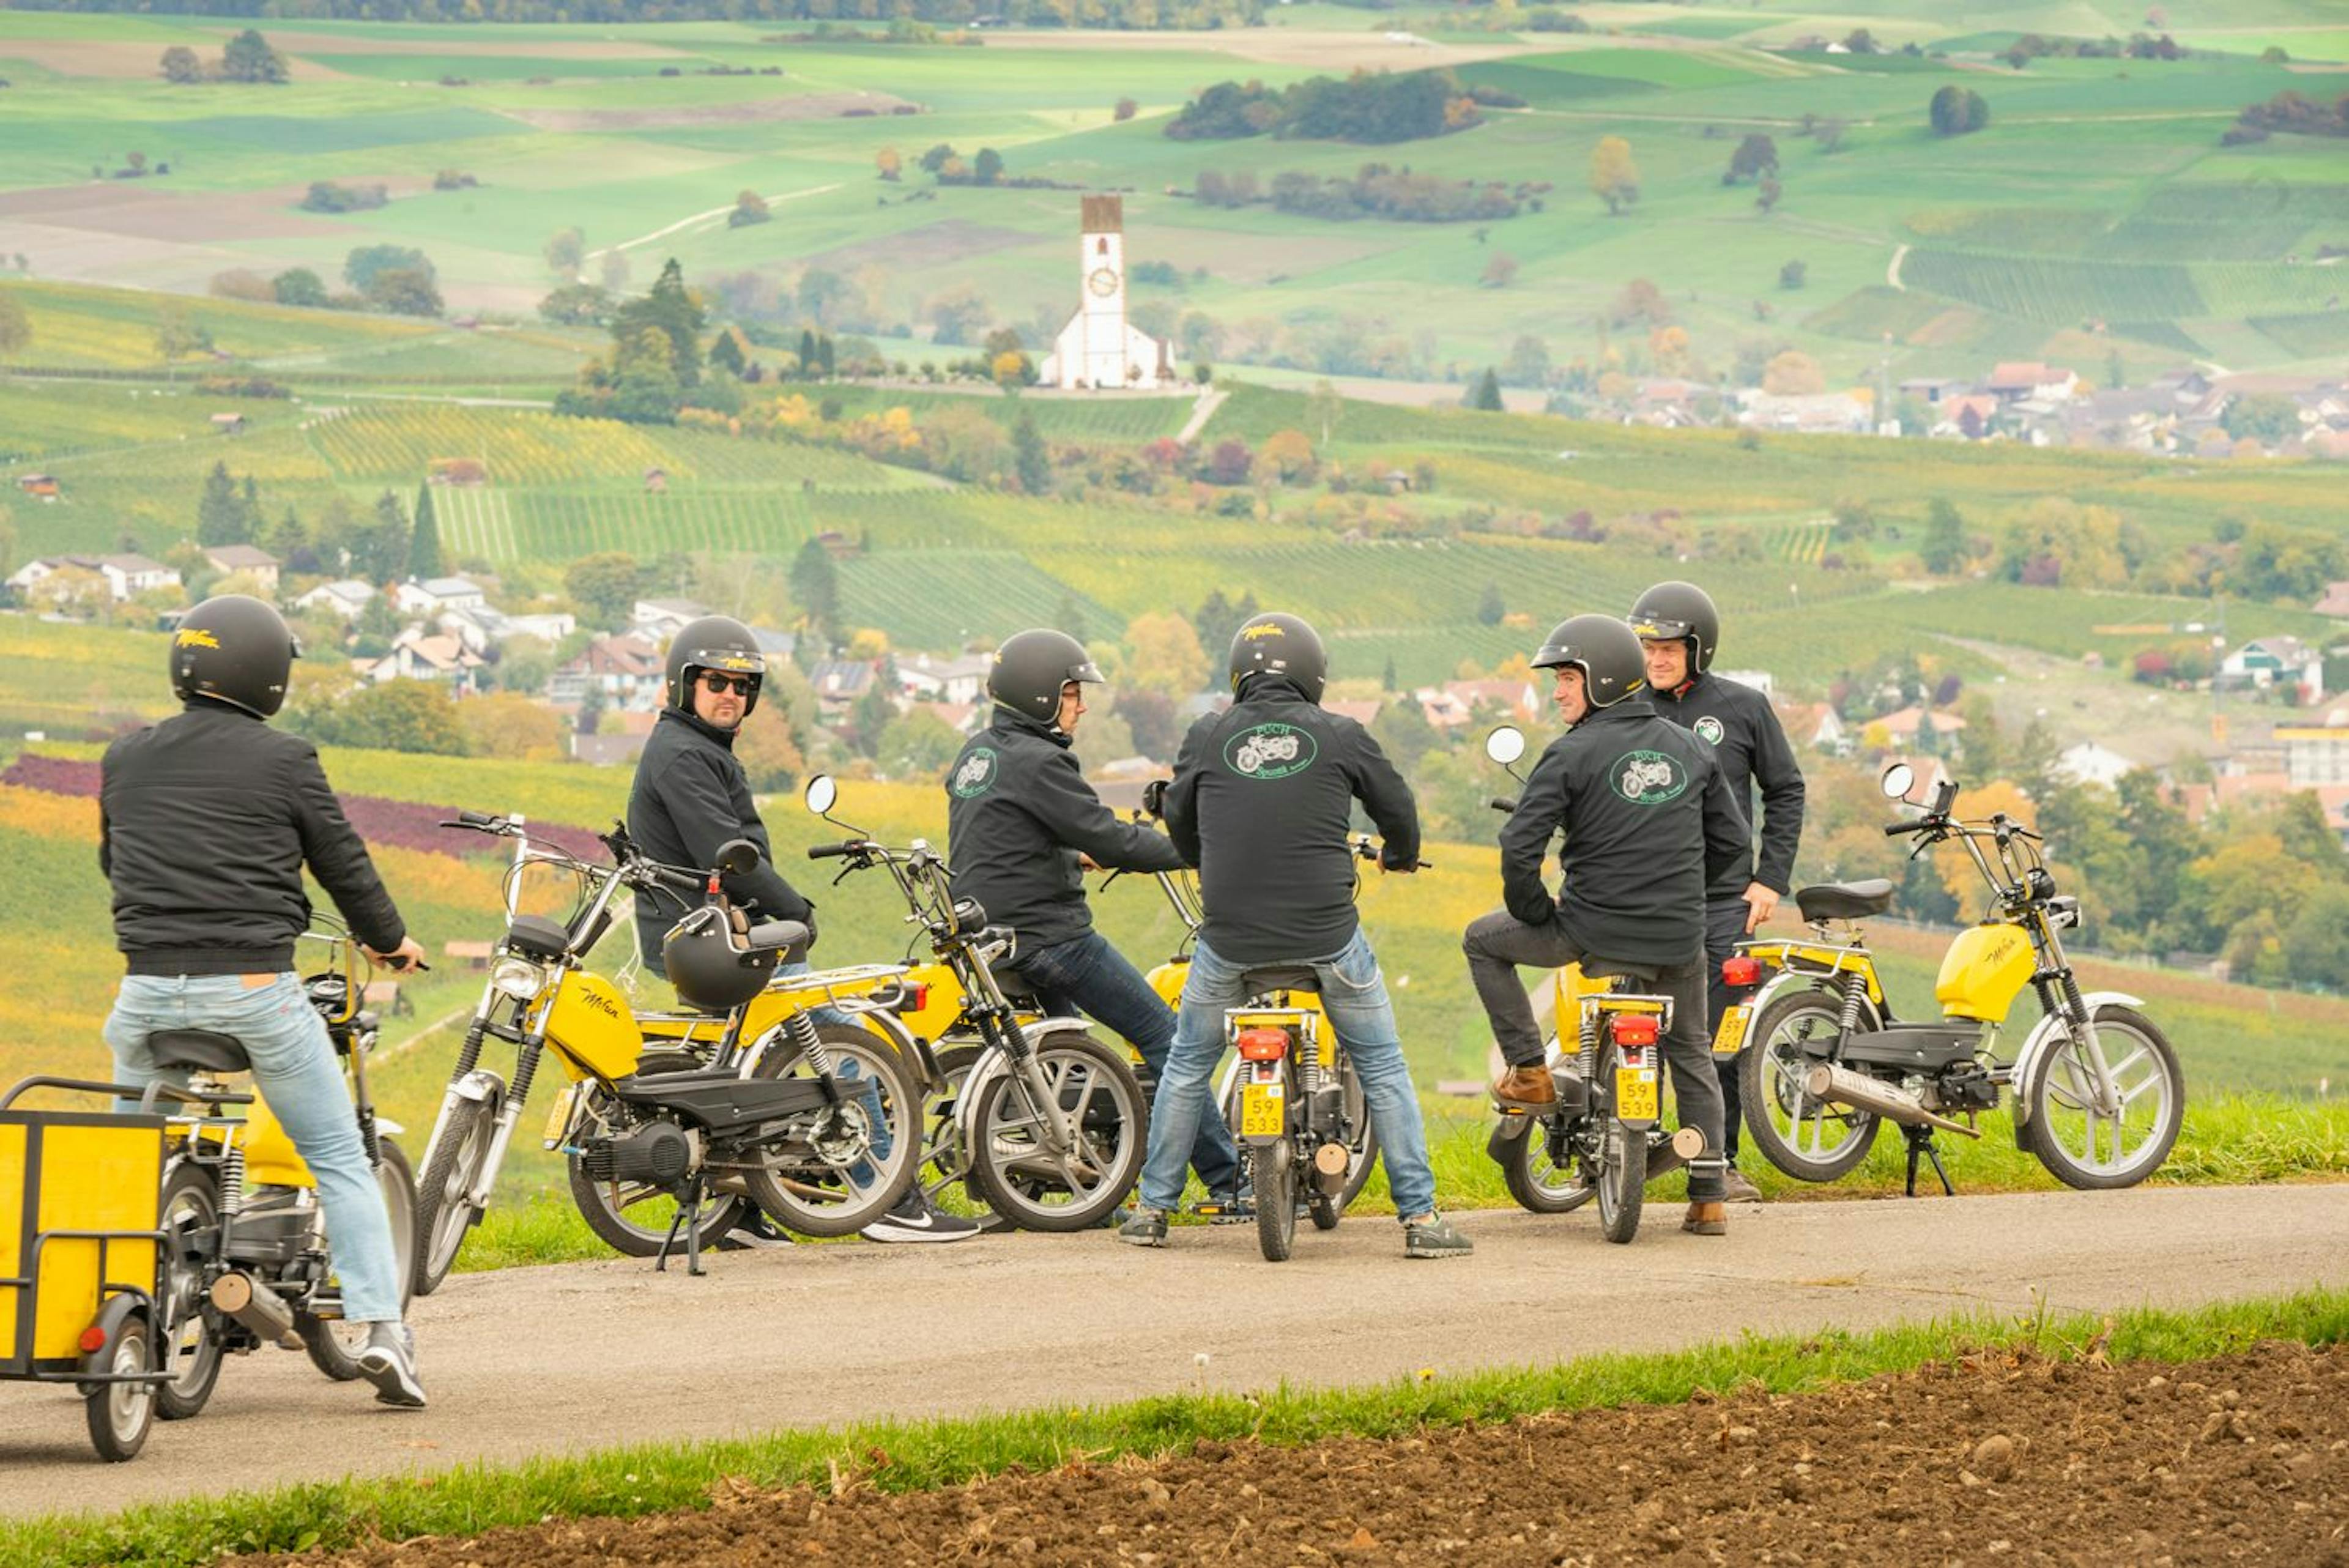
<point>590,1026</point>
<point>270,1160</point>
<point>1983,971</point>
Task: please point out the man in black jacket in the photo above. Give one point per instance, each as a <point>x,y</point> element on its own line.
<point>1649,822</point>
<point>690,796</point>
<point>1262,799</point>
<point>205,822</point>
<point>1021,826</point>
<point>1680,631</point>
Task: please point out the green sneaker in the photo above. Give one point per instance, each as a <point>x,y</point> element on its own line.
<point>1145,1228</point>
<point>1434,1236</point>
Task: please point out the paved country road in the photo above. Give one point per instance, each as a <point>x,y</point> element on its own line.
<point>537,1361</point>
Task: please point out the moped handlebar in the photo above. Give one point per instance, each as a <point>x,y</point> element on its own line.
<point>1502,802</point>
<point>833,851</point>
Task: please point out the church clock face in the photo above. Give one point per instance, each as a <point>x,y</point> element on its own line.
<point>1103,281</point>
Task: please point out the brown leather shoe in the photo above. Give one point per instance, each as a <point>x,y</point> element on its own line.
<point>1526,1087</point>
<point>1707,1220</point>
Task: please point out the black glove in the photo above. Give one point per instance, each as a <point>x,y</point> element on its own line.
<point>1153,796</point>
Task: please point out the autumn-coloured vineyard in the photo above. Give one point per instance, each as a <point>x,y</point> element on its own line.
<point>393,824</point>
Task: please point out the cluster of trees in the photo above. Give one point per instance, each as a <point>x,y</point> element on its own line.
<point>1377,191</point>
<point>2293,114</point>
<point>655,366</point>
<point>246,57</point>
<point>1190,16</point>
<point>396,279</point>
<point>2137,47</point>
<point>2060,543</point>
<point>948,167</point>
<point>1372,108</point>
<point>1956,111</point>
<point>327,196</point>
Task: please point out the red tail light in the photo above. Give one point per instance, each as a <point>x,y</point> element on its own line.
<point>1263,1044</point>
<point>93,1340</point>
<point>912,996</point>
<point>1741,970</point>
<point>1634,1029</point>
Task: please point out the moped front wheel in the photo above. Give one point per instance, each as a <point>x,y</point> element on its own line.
<point>444,1208</point>
<point>1015,1171</point>
<point>1541,1175</point>
<point>334,1343</point>
<point>1800,1134</point>
<point>2087,1146</point>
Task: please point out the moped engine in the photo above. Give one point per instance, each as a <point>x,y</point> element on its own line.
<point>657,1154</point>
<point>1962,1087</point>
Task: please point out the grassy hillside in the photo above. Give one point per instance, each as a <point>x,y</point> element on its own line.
<point>2095,216</point>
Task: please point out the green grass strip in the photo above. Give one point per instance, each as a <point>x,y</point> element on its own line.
<point>652,1478</point>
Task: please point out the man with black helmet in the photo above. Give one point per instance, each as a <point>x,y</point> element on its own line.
<point>1650,821</point>
<point>1262,800</point>
<point>1680,631</point>
<point>690,797</point>
<point>1022,823</point>
<point>205,821</point>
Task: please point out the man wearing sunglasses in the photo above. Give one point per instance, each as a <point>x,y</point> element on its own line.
<point>690,796</point>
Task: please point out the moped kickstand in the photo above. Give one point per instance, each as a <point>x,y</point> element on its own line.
<point>1921,1144</point>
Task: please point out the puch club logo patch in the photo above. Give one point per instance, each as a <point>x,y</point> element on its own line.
<point>975,774</point>
<point>1649,778</point>
<point>1271,751</point>
<point>1708,730</point>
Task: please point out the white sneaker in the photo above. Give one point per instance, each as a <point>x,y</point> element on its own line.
<point>914,1219</point>
<point>390,1363</point>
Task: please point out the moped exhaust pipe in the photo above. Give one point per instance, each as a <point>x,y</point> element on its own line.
<point>1684,1144</point>
<point>1842,1086</point>
<point>257,1307</point>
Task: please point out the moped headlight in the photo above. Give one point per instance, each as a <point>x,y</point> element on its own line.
<point>518,977</point>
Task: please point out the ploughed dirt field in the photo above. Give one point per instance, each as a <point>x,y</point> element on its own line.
<point>1987,1460</point>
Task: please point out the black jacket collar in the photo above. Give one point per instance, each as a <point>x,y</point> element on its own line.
<point>1268,688</point>
<point>700,726</point>
<point>1012,722</point>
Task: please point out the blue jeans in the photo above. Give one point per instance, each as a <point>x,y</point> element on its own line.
<point>293,1066</point>
<point>1087,973</point>
<point>1354,996</point>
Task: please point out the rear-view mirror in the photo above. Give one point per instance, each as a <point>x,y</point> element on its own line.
<point>1505,744</point>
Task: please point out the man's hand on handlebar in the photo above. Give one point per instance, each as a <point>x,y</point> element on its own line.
<point>405,958</point>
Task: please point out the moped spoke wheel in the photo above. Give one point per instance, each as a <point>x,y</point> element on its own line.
<point>945,1159</point>
<point>631,1217</point>
<point>1361,1138</point>
<point>1622,1180</point>
<point>191,1330</point>
<point>1273,1169</point>
<point>444,1213</point>
<point>1540,1171</point>
<point>121,1415</point>
<point>1806,1137</point>
<point>833,1169</point>
<point>334,1343</point>
<point>1095,1099</point>
<point>2089,1141</point>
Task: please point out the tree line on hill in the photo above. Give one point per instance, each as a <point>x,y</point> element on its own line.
<point>1369,107</point>
<point>1185,15</point>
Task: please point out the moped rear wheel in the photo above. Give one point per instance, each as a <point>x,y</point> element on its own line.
<point>1622,1180</point>
<point>2079,1144</point>
<point>1542,1179</point>
<point>833,1170</point>
<point>633,1219</point>
<point>444,1213</point>
<point>191,1329</point>
<point>1808,1138</point>
<point>1272,1168</point>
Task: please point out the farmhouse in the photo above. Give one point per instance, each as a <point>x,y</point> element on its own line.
<point>664,618</point>
<point>2316,756</point>
<point>1099,347</point>
<point>626,670</point>
<point>435,595</point>
<point>125,576</point>
<point>418,655</point>
<point>950,680</point>
<point>2267,661</point>
<point>228,424</point>
<point>2014,381</point>
<point>248,558</point>
<point>345,597</point>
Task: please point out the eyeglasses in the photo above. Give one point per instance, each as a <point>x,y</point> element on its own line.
<point>714,683</point>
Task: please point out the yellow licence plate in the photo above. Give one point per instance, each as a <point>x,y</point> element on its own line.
<point>1263,1110</point>
<point>1731,1037</point>
<point>559,1118</point>
<point>1635,1093</point>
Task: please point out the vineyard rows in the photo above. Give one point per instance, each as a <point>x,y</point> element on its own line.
<point>1801,544</point>
<point>947,598</point>
<point>398,444</point>
<point>2063,292</point>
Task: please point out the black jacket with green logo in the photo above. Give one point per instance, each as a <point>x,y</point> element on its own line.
<point>1262,801</point>
<point>1019,813</point>
<point>1649,822</point>
<point>1753,750</point>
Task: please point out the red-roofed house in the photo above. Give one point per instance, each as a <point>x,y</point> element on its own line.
<point>2016,380</point>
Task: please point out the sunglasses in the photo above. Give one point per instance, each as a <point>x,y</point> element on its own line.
<point>714,683</point>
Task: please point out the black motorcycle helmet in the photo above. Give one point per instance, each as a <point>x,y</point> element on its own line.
<point>1680,610</point>
<point>1031,668</point>
<point>712,973</point>
<point>1280,644</point>
<point>1605,650</point>
<point>233,648</point>
<point>713,642</point>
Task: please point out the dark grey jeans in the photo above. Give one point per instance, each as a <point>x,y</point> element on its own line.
<point>1498,942</point>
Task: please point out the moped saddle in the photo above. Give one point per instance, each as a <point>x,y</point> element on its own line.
<point>769,936</point>
<point>1281,977</point>
<point>1844,900</point>
<point>1616,969</point>
<point>204,1049</point>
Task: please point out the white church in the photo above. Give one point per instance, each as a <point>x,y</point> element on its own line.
<point>1099,347</point>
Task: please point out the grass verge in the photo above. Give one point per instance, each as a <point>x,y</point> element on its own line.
<point>903,1456</point>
